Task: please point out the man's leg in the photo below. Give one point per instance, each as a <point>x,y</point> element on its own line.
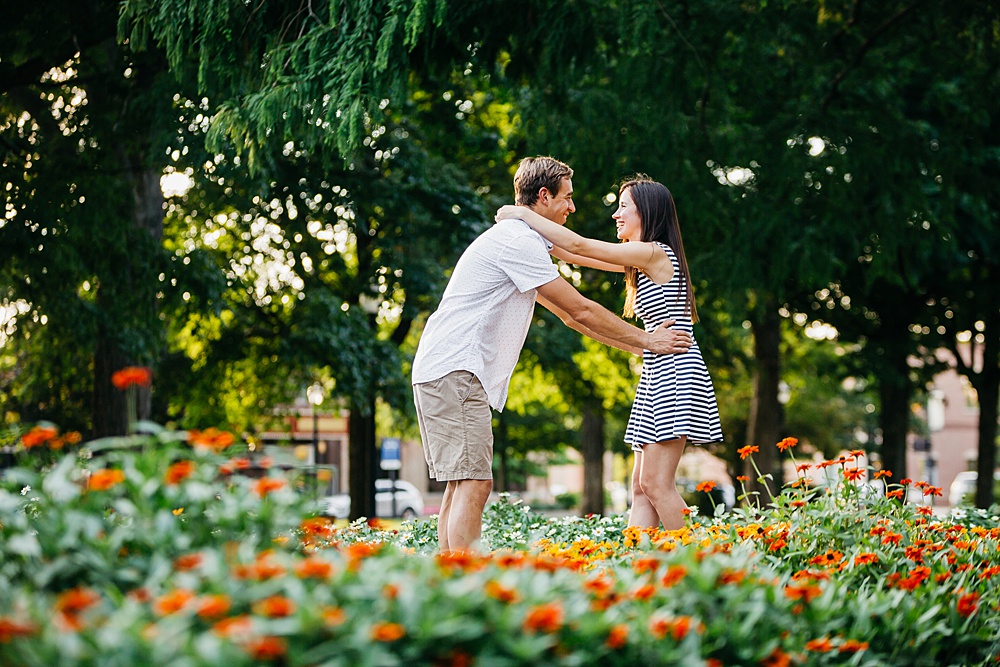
<point>658,480</point>
<point>642,514</point>
<point>443,516</point>
<point>465,514</point>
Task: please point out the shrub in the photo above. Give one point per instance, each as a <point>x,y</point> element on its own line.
<point>151,551</point>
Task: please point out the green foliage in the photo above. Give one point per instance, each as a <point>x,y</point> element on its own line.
<point>146,551</point>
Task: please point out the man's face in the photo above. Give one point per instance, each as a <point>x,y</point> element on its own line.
<point>557,207</point>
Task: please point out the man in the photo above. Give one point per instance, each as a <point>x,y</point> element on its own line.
<point>470,345</point>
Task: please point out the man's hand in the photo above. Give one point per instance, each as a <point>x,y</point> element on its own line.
<point>669,341</point>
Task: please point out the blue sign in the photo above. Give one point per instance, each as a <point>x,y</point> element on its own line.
<point>390,454</point>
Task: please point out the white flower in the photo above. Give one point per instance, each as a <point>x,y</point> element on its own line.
<point>25,490</point>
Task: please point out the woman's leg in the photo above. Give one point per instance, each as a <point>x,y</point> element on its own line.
<point>642,514</point>
<point>657,480</point>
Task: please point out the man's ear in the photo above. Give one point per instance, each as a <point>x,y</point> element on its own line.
<point>543,196</point>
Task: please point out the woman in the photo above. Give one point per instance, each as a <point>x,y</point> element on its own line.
<point>675,401</point>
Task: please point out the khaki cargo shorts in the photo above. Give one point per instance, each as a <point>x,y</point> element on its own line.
<point>455,427</point>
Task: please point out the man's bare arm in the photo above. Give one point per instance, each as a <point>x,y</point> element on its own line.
<point>596,319</point>
<point>576,326</point>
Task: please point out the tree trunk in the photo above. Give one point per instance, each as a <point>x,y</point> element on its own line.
<point>764,425</point>
<point>592,449</point>
<point>988,389</point>
<point>129,332</point>
<point>361,456</point>
<point>109,413</point>
<point>894,391</point>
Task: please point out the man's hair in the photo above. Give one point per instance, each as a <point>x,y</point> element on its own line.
<point>535,173</point>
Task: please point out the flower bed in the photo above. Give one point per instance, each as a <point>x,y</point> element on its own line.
<point>157,551</point>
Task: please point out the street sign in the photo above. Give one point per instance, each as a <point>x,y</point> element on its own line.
<point>390,454</point>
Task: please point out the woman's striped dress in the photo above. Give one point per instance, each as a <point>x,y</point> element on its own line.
<point>675,396</point>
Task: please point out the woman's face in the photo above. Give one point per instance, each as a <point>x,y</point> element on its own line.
<point>629,224</point>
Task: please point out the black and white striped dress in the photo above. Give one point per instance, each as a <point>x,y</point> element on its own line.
<point>675,396</point>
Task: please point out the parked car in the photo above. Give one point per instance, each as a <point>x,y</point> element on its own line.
<point>409,501</point>
<point>964,485</point>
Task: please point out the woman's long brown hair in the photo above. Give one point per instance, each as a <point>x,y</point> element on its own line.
<point>658,214</point>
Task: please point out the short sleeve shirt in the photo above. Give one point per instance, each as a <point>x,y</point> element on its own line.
<point>484,314</point>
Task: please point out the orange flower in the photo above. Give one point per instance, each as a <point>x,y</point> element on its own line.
<point>643,565</point>
<point>617,637</point>
<point>187,562</point>
<point>865,559</point>
<point>212,606</point>
<point>265,485</point>
<point>644,592</point>
<point>730,576</point>
<point>853,646</point>
<point>879,474</point>
<point>313,568</point>
<point>706,486</point>
<point>787,443</point>
<point>803,592</point>
<point>38,435</point>
<point>172,602</point>
<point>387,632</point>
<point>333,616</point>
<point>819,645</point>
<point>678,628</point>
<point>102,480</point>
<point>318,526</point>
<point>390,591</point>
<point>266,648</point>
<point>76,600</point>
<point>498,591</point>
<point>742,478</point>
<point>895,494</point>
<point>178,472</point>
<point>778,658</point>
<point>233,627</point>
<point>853,474</point>
<point>673,575</point>
<point>275,606</point>
<point>211,438</point>
<point>546,618</point>
<point>968,604</point>
<point>10,628</point>
<point>747,451</point>
<point>132,376</point>
<point>829,559</point>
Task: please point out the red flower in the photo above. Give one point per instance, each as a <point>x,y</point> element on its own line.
<point>968,604</point>
<point>132,376</point>
<point>10,628</point>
